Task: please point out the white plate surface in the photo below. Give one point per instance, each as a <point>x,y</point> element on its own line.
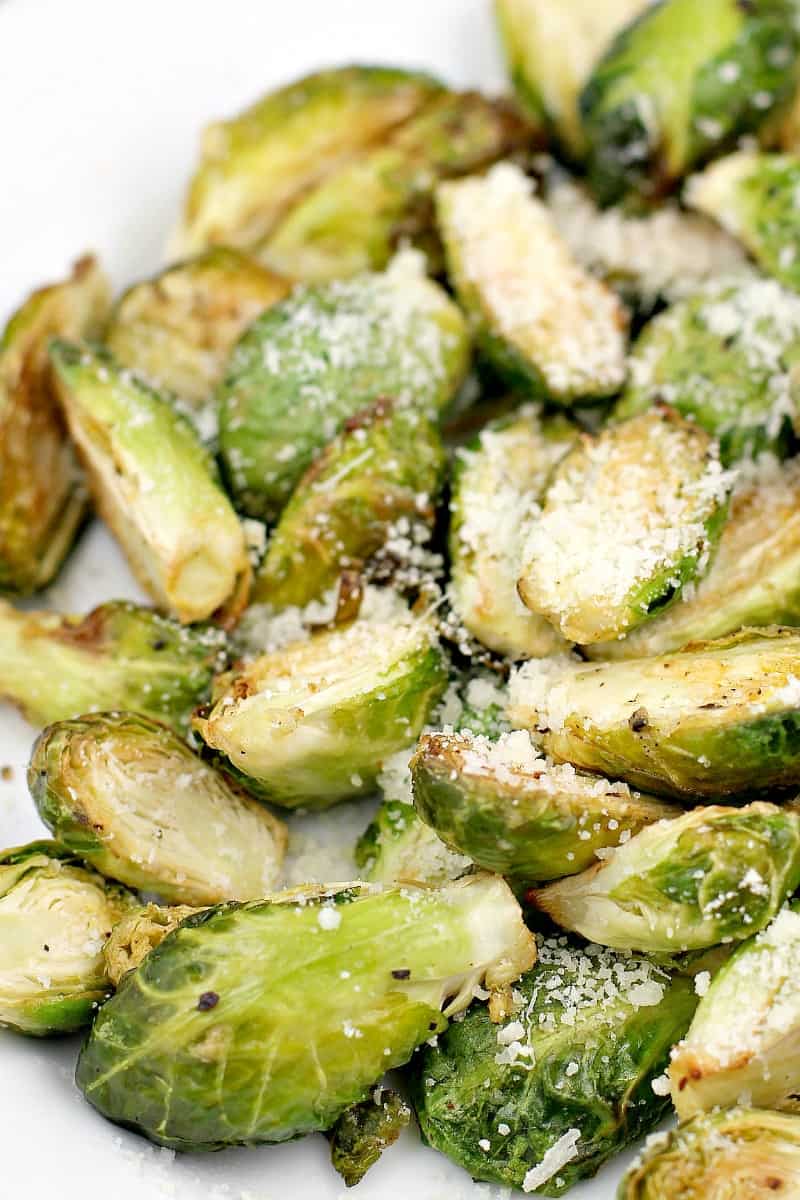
<point>102,104</point>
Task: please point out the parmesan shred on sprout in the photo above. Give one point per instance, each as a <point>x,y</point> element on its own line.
<point>560,1153</point>
<point>624,507</point>
<point>532,291</point>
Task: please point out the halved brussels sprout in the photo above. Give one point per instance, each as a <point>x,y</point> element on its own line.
<point>629,517</point>
<point>745,1036</point>
<point>310,724</point>
<point>260,1022</point>
<point>355,219</point>
<point>546,1099</point>
<point>680,84</point>
<point>497,483</point>
<point>256,165</point>
<point>119,656</point>
<point>714,719</point>
<point>153,483</point>
<point>518,814</point>
<point>363,1132</point>
<point>137,934</point>
<point>551,329</point>
<point>384,468</point>
<point>715,874</point>
<point>132,799</point>
<point>736,1154</point>
<point>397,844</point>
<point>550,48</point>
<point>322,356</point>
<point>648,258</point>
<point>754,577</point>
<point>43,499</point>
<point>726,357</point>
<point>177,329</point>
<point>55,916</point>
<point>754,196</point>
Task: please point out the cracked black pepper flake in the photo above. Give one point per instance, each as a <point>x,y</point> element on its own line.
<point>207,1000</point>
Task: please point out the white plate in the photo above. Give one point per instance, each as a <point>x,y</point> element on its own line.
<point>102,105</point>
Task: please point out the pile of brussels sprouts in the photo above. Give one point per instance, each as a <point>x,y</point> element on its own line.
<point>458,452</point>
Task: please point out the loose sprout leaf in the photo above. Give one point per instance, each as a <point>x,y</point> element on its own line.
<point>254,166</point>
<point>713,875</point>
<point>754,577</point>
<point>357,216</point>
<point>43,498</point>
<point>545,1099</point>
<point>310,724</point>
<point>363,1132</point>
<point>737,1152</point>
<point>381,473</point>
<point>119,656</point>
<point>628,518</point>
<point>754,197</point>
<point>745,1036</point>
<point>726,358</point>
<point>714,719</point>
<point>137,934</point>
<point>132,799</point>
<point>548,326</point>
<point>177,329</point>
<point>515,812</point>
<point>497,482</point>
<point>323,355</point>
<point>680,84</point>
<point>663,255</point>
<point>153,483</point>
<point>259,1022</point>
<point>55,916</point>
<point>550,48</point>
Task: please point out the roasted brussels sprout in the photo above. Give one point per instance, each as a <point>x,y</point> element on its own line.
<point>736,1154</point>
<point>727,358</point>
<point>551,329</point>
<point>753,196</point>
<point>255,166</point>
<point>397,844</point>
<point>551,47</point>
<point>497,483</point>
<point>137,934</point>
<point>745,1036</point>
<point>322,356</point>
<point>546,1099</point>
<point>648,258</point>
<point>55,916</point>
<point>153,483</point>
<point>714,719</point>
<point>119,656</point>
<point>518,814</point>
<point>383,471</point>
<point>363,1132</point>
<point>754,577</point>
<point>354,220</point>
<point>715,874</point>
<point>137,804</point>
<point>681,84</point>
<point>304,999</point>
<point>177,329</point>
<point>628,518</point>
<point>310,724</point>
<point>43,499</point>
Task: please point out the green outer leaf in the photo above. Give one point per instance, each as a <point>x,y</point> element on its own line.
<point>119,656</point>
<point>711,876</point>
<point>387,463</point>
<point>292,1038</point>
<point>321,356</point>
<point>462,1095</point>
<point>531,823</point>
<point>364,1131</point>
